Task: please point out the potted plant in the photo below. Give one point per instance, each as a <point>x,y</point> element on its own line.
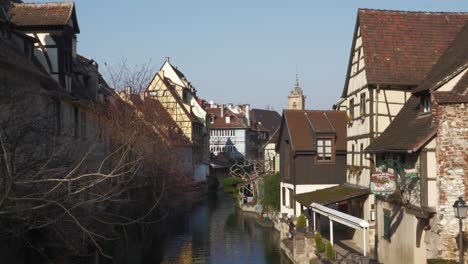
<point>301,224</point>
<point>329,252</point>
<point>319,246</point>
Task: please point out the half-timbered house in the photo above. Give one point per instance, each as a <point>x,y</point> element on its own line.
<point>426,147</point>
<point>391,53</point>
<point>170,87</point>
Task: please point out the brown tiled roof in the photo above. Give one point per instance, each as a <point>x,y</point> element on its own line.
<point>400,47</point>
<point>409,128</point>
<point>458,95</point>
<point>268,119</point>
<point>451,63</point>
<point>274,137</point>
<point>220,121</point>
<point>412,128</point>
<point>42,14</point>
<point>155,114</point>
<point>303,125</point>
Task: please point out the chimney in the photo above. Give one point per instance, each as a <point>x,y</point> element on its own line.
<point>247,113</point>
<point>222,110</point>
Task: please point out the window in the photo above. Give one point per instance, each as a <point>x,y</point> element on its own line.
<point>83,128</point>
<point>351,108</point>
<point>387,225</point>
<point>352,155</point>
<point>324,149</point>
<point>153,93</point>
<point>291,198</point>
<point>426,104</point>
<point>294,105</point>
<point>228,119</point>
<point>361,157</point>
<point>164,93</point>
<point>284,196</point>
<point>362,105</point>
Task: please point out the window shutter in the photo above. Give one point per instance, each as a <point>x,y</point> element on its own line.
<point>387,225</point>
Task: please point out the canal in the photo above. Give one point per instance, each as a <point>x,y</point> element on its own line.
<point>213,231</point>
<point>217,232</point>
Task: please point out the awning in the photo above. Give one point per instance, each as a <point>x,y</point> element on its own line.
<point>331,195</point>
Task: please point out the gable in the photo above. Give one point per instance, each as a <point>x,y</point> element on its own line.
<point>401,47</point>
<point>37,16</point>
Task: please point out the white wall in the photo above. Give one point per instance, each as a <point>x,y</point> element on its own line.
<point>239,140</point>
<point>299,189</point>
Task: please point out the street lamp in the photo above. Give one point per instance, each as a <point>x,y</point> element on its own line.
<point>460,209</point>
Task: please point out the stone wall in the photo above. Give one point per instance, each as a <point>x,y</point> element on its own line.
<point>452,180</point>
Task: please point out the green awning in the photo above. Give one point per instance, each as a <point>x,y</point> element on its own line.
<point>331,195</point>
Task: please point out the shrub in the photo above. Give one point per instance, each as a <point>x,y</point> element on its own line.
<point>301,221</point>
<point>329,251</point>
<point>319,246</point>
<point>230,184</point>
<point>271,192</point>
<point>441,261</point>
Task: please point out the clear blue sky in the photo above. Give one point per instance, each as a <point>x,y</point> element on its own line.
<point>238,51</point>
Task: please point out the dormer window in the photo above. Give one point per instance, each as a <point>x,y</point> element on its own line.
<point>325,149</point>
<point>426,104</point>
<point>228,119</point>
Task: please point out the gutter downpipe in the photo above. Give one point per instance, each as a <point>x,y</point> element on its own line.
<point>376,237</point>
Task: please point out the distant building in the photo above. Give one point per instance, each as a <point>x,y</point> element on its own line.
<point>296,99</point>
<point>229,131</point>
<point>170,87</point>
<point>263,125</point>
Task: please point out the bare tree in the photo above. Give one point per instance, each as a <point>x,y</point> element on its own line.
<point>123,75</point>
<point>74,187</point>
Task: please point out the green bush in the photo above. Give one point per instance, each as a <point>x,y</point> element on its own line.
<point>271,192</point>
<point>441,261</point>
<point>230,184</point>
<point>319,246</point>
<point>301,221</point>
<point>329,251</point>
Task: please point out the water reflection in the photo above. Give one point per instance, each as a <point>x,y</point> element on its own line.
<point>213,232</point>
<point>216,232</point>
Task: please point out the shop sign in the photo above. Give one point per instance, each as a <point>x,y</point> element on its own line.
<point>383,183</point>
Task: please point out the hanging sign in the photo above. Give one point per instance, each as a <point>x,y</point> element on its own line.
<point>382,183</point>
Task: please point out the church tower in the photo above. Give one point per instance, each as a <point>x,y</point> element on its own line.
<point>296,100</point>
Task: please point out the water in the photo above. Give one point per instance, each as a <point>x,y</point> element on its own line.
<point>214,231</point>
<point>217,232</point>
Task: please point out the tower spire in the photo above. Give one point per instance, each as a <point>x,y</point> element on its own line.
<point>296,99</point>
<point>297,80</point>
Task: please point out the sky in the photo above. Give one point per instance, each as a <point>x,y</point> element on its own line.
<point>242,51</point>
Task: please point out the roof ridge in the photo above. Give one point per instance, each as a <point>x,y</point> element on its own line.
<point>410,11</point>
<point>66,3</point>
